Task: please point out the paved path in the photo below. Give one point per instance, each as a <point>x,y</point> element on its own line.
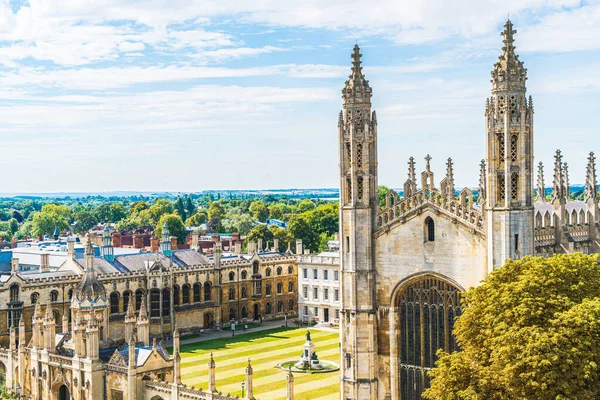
<point>266,325</point>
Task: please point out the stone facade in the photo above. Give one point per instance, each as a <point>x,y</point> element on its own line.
<point>318,288</point>
<point>404,265</point>
<point>97,344</point>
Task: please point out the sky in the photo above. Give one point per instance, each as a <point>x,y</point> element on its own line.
<point>190,95</point>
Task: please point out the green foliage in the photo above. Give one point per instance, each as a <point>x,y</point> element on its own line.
<point>300,229</point>
<point>260,232</point>
<point>175,225</point>
<point>215,210</point>
<point>51,216</point>
<point>382,191</point>
<point>190,209</point>
<point>84,221</point>
<point>259,211</point>
<point>324,218</point>
<point>110,212</point>
<point>197,219</point>
<point>531,331</point>
<point>324,239</point>
<point>153,214</point>
<point>284,237</point>
<point>306,205</point>
<point>180,208</point>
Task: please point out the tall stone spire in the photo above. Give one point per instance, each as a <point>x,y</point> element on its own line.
<point>90,288</point>
<point>509,73</point>
<point>558,183</point>
<point>540,196</point>
<point>481,188</point>
<point>590,194</point>
<point>411,170</point>
<point>357,87</point>
<point>566,187</point>
<point>591,188</point>
<point>450,178</point>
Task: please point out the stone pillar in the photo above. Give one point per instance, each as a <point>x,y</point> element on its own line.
<point>13,337</point>
<point>276,245</point>
<point>93,342</point>
<point>393,316</point>
<point>289,380</point>
<point>212,387</point>
<point>131,370</point>
<point>143,325</point>
<point>260,245</point>
<point>249,390</point>
<point>299,247</point>
<point>65,323</point>
<point>14,265</point>
<point>49,329</point>
<point>44,262</point>
<point>176,359</point>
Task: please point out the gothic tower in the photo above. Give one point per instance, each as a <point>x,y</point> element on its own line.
<point>509,124</point>
<point>357,129</point>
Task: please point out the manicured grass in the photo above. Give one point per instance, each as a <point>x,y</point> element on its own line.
<point>265,349</point>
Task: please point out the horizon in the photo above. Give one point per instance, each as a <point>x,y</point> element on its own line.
<point>182,95</point>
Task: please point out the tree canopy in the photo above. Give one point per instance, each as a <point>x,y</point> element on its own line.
<point>175,225</point>
<point>530,331</point>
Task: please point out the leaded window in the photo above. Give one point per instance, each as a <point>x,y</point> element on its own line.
<point>427,310</point>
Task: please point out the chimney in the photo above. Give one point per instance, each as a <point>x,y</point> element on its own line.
<point>218,252</point>
<point>276,245</point>
<point>45,262</point>
<point>153,244</point>
<point>195,240</point>
<point>215,237</point>
<point>260,244</point>
<point>138,241</point>
<point>298,247</point>
<point>15,265</point>
<point>173,243</point>
<point>235,237</point>
<point>238,248</point>
<point>116,239</point>
<point>71,248</point>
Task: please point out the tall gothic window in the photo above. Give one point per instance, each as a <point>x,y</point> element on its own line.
<point>206,291</point>
<point>348,189</point>
<point>185,291</point>
<point>139,295</point>
<point>429,230</point>
<point>359,188</point>
<point>501,189</point>
<point>114,303</point>
<point>427,310</point>
<point>514,140</point>
<point>359,156</point>
<point>197,291</point>
<point>155,303</point>
<point>348,153</point>
<point>514,186</point>
<point>501,149</point>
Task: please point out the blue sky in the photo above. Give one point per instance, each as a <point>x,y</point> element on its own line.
<point>186,95</point>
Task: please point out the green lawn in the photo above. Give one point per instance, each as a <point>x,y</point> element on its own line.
<point>265,349</point>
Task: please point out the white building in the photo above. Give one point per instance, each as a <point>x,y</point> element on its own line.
<point>319,287</point>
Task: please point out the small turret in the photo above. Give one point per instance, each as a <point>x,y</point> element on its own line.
<point>249,386</point>
<point>540,196</point>
<point>107,250</point>
<point>482,190</point>
<point>211,375</point>
<point>558,183</point>
<point>143,327</point>
<point>165,244</point>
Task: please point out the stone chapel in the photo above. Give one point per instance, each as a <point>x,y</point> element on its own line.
<point>404,265</point>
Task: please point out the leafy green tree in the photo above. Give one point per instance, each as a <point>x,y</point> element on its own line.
<point>278,211</point>
<point>5,236</point>
<point>153,214</point>
<point>324,218</point>
<point>84,221</point>
<point>13,225</point>
<point>18,216</point>
<point>197,219</point>
<point>530,331</point>
<point>300,229</point>
<point>117,212</point>
<point>283,236</point>
<point>214,225</point>
<point>306,205</point>
<point>215,210</point>
<point>102,212</point>
<point>180,208</point>
<point>260,232</point>
<point>138,207</point>
<point>259,210</point>
<point>382,191</point>
<point>190,209</point>
<point>51,216</point>
<point>324,239</point>
<point>175,225</point>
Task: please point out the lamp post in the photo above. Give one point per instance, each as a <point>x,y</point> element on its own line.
<point>243,387</point>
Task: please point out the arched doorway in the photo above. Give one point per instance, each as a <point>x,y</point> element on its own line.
<point>256,311</point>
<point>63,393</point>
<point>207,319</point>
<point>426,308</point>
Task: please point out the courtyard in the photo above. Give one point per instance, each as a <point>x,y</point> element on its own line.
<point>265,349</point>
